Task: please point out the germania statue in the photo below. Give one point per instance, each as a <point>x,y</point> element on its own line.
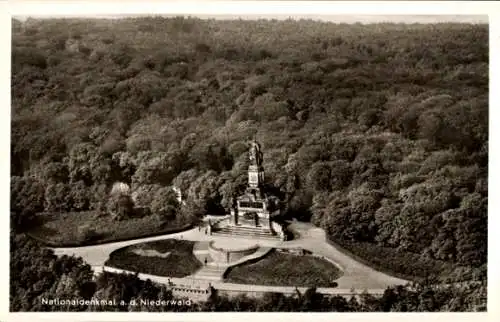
<point>255,154</point>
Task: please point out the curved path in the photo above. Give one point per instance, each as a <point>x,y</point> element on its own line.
<point>356,275</point>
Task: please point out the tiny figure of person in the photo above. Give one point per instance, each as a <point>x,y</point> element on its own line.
<point>205,261</point>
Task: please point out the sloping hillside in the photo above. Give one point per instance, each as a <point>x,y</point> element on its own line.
<point>377,133</point>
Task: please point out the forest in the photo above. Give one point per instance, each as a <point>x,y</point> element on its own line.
<point>376,133</point>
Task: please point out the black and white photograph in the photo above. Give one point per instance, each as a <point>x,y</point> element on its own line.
<point>249,163</point>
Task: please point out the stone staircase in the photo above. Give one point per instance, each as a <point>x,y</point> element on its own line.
<point>248,232</point>
<point>215,272</point>
<point>211,272</point>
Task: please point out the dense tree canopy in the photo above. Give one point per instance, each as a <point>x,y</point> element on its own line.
<point>376,133</point>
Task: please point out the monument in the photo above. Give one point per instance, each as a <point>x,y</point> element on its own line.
<point>252,213</point>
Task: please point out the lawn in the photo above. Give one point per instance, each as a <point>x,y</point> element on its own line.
<point>170,257</point>
<point>283,269</point>
<point>394,262</point>
<point>87,228</point>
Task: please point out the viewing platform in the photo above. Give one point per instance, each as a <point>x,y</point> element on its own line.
<point>247,232</point>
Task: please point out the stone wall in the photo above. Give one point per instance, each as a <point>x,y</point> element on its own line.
<point>228,256</point>
<point>193,293</point>
<point>347,294</point>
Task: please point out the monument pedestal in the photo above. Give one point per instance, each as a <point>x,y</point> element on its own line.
<point>251,212</point>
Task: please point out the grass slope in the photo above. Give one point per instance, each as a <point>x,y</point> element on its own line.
<point>286,270</point>
<point>405,265</point>
<point>85,228</point>
<point>180,263</point>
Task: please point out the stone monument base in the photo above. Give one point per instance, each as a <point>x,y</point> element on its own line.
<point>227,228</point>
<point>226,252</point>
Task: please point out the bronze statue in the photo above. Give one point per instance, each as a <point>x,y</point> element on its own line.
<point>255,153</point>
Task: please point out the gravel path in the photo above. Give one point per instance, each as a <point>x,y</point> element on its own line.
<point>356,275</point>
